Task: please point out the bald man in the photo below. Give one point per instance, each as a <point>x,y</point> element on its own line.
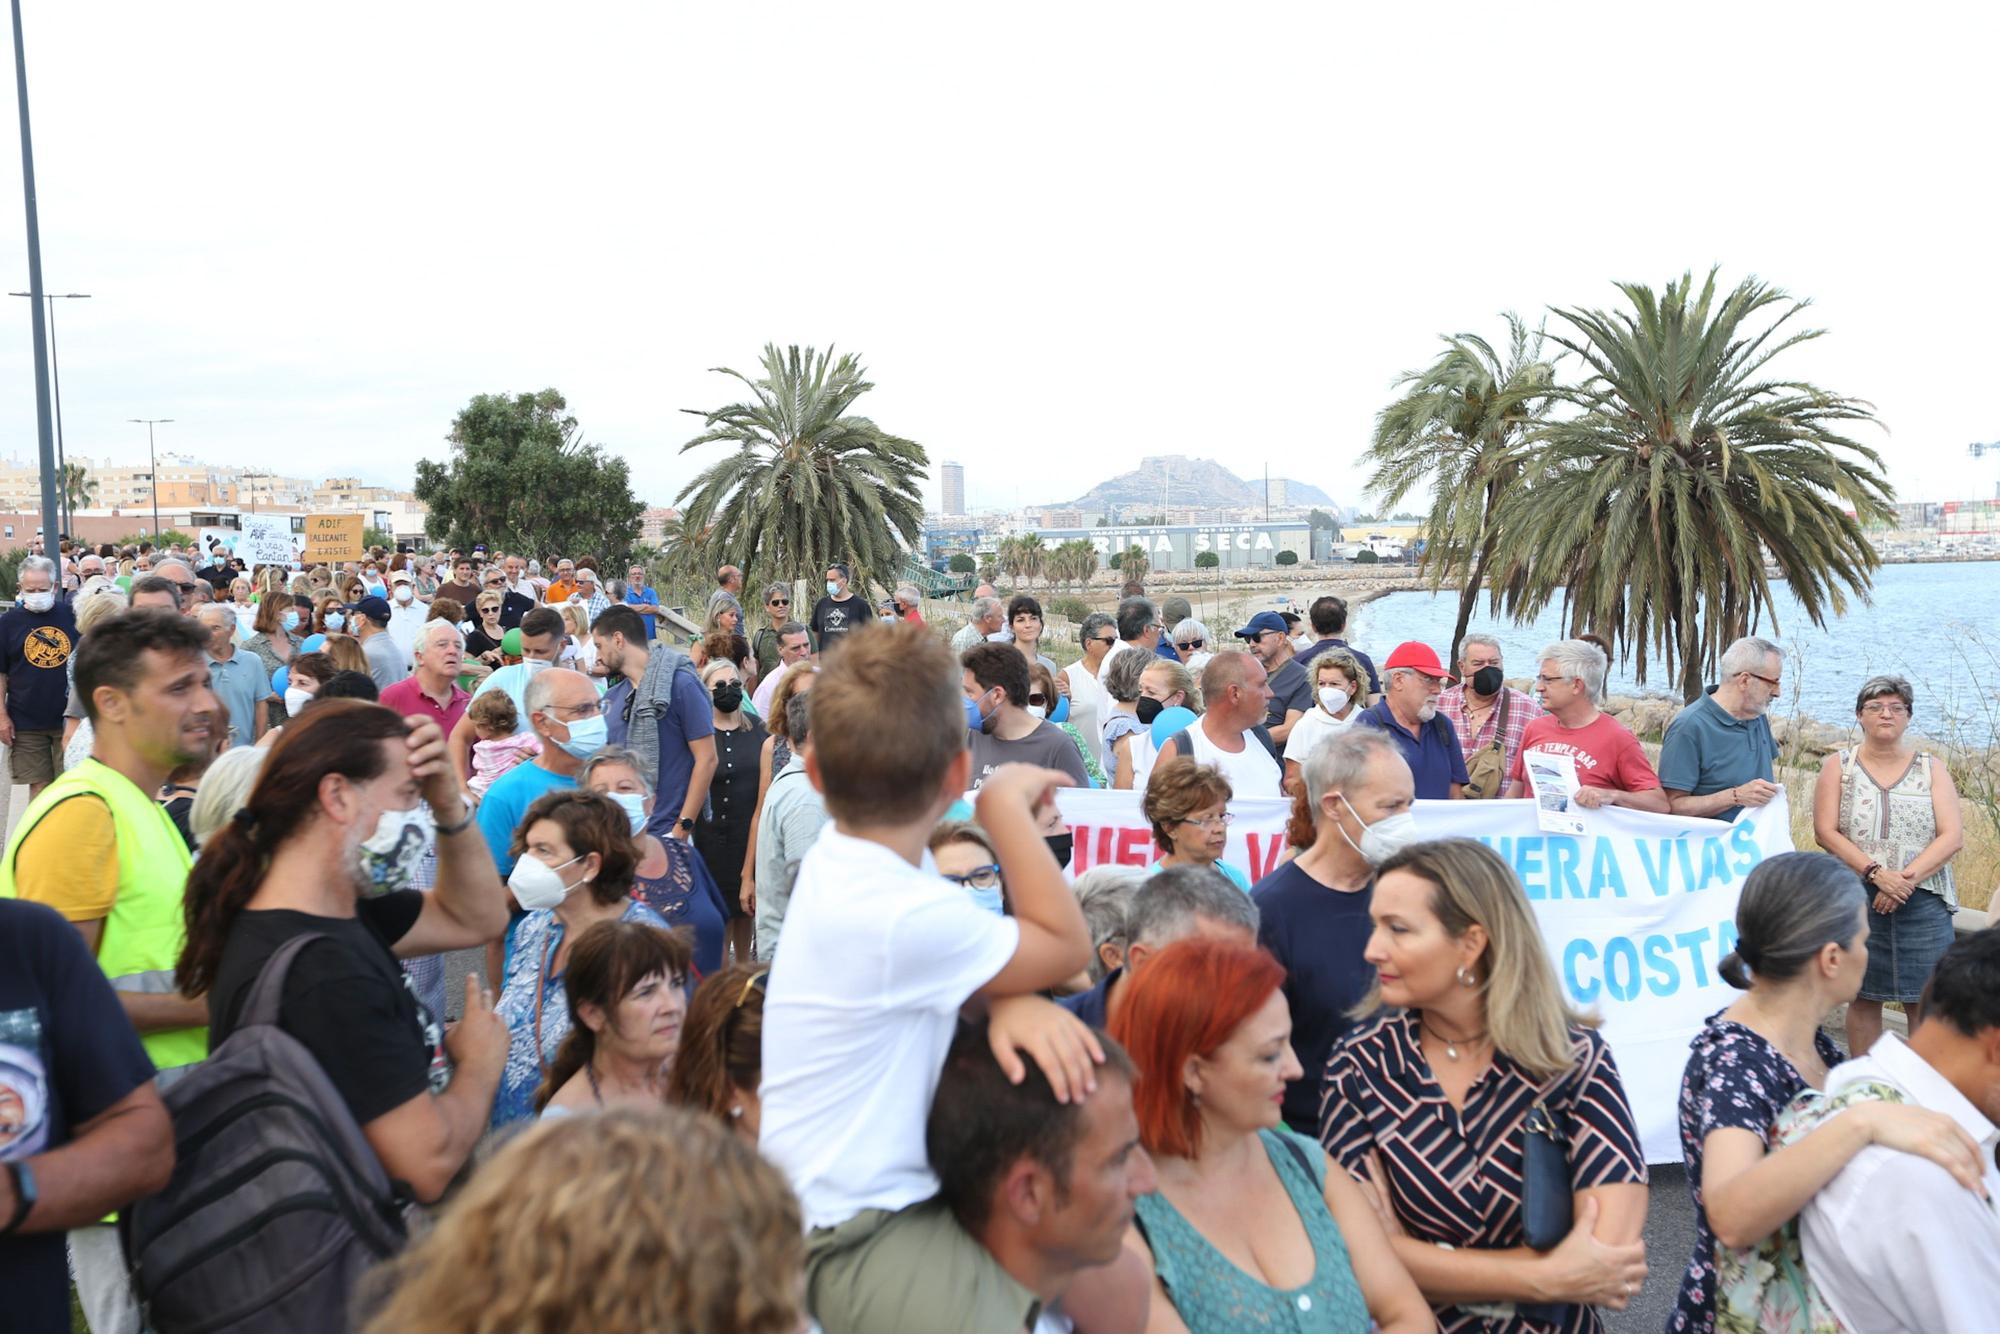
<point>235,674</point>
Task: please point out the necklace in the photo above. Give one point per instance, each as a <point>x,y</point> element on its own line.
<point>1450,1044</point>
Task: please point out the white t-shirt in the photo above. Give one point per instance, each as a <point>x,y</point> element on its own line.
<point>1251,771</point>
<point>1313,727</point>
<point>1088,703</point>
<point>874,962</point>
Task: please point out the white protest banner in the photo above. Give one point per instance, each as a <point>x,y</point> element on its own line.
<point>1636,911</point>
<point>267,539</point>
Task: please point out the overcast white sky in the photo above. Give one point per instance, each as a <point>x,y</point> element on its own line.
<point>1062,236</point>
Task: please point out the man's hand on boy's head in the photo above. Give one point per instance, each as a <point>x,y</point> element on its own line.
<point>1060,1043</point>
<point>1019,787</point>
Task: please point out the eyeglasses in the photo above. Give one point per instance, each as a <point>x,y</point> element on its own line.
<point>1223,820</point>
<point>979,877</point>
<point>1541,680</point>
<point>754,981</point>
<point>1192,643</point>
<point>779,602</point>
<point>1774,682</point>
<point>1106,642</point>
<point>590,709</point>
<point>1038,697</point>
<point>1885,710</point>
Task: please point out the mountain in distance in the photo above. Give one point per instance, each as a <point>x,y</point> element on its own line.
<point>1175,479</point>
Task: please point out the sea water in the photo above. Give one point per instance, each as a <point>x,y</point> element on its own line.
<point>1936,624</point>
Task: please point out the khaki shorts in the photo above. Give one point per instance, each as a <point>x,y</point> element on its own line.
<point>36,757</point>
<point>915,1271</point>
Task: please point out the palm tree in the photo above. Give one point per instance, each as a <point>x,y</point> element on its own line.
<point>1078,562</point>
<point>809,483</point>
<point>1034,558</point>
<point>1135,563</point>
<point>1459,427</point>
<point>79,488</point>
<point>1683,474</point>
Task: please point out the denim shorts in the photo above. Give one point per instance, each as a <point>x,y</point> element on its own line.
<point>1903,947</point>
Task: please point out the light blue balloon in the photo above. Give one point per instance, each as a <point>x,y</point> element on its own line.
<point>1170,721</point>
<point>313,643</point>
<point>279,680</point>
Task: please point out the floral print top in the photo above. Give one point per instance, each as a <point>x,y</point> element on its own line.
<point>1734,1079</point>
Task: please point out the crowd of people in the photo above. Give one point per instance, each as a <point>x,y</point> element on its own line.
<point>780,1009</point>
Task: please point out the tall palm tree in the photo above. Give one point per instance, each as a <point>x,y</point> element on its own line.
<point>79,488</point>
<point>1034,558</point>
<point>1685,470</point>
<point>1459,427</point>
<point>1135,563</point>
<point>809,482</point>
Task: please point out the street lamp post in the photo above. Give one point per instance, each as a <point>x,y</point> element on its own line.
<point>55,374</point>
<point>153,462</point>
<point>45,437</point>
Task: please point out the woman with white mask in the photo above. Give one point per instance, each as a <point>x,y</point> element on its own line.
<point>573,867</point>
<point>350,799</point>
<point>671,878</point>
<point>1337,680</point>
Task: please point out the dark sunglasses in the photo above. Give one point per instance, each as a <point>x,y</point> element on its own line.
<point>1039,698</point>
<point>1106,642</point>
<point>1192,643</point>
<point>779,602</point>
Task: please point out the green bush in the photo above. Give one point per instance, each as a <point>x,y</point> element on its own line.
<point>1288,557</point>
<point>1207,560</point>
<point>1073,608</point>
<point>1117,559</point>
<point>10,571</point>
<point>962,564</point>
<point>1366,556</point>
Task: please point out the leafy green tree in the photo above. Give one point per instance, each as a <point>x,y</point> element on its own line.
<point>1287,557</point>
<point>960,563</point>
<point>1686,468</point>
<point>1117,561</point>
<point>1460,427</point>
<point>520,478</point>
<point>371,536</point>
<point>1206,560</point>
<point>809,482</point>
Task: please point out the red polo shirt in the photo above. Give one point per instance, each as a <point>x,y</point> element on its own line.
<point>407,697</point>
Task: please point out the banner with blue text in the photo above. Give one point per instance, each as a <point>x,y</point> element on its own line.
<point>1636,911</point>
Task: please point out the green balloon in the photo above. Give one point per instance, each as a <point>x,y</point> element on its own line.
<point>510,643</point>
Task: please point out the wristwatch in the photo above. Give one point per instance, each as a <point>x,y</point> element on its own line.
<point>687,825</point>
<point>465,821</point>
<point>25,1196</point>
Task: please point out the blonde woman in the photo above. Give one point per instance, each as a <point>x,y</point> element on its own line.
<point>1429,1098</point>
<point>629,1218</point>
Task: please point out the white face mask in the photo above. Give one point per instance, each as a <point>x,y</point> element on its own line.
<point>1385,838</point>
<point>1038,710</point>
<point>634,806</point>
<point>38,602</point>
<point>296,699</point>
<point>404,592</point>
<point>1334,698</point>
<point>537,885</point>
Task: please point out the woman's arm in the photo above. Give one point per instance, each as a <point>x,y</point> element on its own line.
<point>1583,1269</point>
<point>1950,826</point>
<point>1826,815</point>
<point>1394,1302</point>
<point>748,896</point>
<point>1099,1300</point>
<point>1749,1193</point>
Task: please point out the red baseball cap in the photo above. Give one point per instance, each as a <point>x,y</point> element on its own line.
<point>1418,658</point>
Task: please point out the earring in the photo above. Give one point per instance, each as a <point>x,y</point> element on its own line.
<point>1465,977</point>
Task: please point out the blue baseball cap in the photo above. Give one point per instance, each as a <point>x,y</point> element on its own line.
<point>1261,623</point>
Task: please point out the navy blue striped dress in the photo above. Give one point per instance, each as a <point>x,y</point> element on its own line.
<point>1455,1174</point>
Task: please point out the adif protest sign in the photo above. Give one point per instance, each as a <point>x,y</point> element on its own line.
<point>1636,910</point>
<point>334,537</point>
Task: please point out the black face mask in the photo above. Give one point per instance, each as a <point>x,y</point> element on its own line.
<point>1149,709</point>
<point>1487,681</point>
<point>728,696</point>
<point>1061,845</point>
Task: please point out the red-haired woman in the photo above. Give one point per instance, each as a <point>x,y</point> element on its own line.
<point>1251,1226</point>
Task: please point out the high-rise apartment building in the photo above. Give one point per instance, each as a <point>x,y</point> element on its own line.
<point>952,480</point>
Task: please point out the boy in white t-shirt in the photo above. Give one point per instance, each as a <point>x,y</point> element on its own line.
<point>877,957</point>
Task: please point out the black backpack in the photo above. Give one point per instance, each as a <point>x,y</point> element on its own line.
<point>277,1206</point>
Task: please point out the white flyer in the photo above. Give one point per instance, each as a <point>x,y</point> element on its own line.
<point>1552,778</point>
